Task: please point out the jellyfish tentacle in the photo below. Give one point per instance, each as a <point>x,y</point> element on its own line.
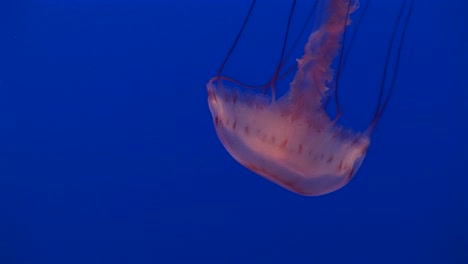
<point>274,79</point>
<point>382,103</point>
<point>296,41</point>
<point>236,40</point>
<point>340,66</point>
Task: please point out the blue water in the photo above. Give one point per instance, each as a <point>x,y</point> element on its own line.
<point>108,152</point>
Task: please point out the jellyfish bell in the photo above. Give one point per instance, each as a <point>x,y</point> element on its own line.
<point>303,152</point>
<point>291,140</point>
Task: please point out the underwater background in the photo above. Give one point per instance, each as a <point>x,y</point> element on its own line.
<point>108,152</point>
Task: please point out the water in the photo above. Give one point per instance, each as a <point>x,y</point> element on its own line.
<point>109,155</point>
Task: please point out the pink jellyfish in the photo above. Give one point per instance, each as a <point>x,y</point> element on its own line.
<point>291,140</point>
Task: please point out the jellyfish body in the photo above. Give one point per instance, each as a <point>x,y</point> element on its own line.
<point>305,153</point>
<point>291,140</point>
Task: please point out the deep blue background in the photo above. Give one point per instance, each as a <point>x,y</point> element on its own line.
<point>108,152</point>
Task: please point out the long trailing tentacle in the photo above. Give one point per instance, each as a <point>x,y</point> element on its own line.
<point>236,41</point>
<point>340,64</point>
<point>382,103</point>
<point>274,79</point>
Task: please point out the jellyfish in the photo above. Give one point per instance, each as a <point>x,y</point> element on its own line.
<point>290,139</point>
